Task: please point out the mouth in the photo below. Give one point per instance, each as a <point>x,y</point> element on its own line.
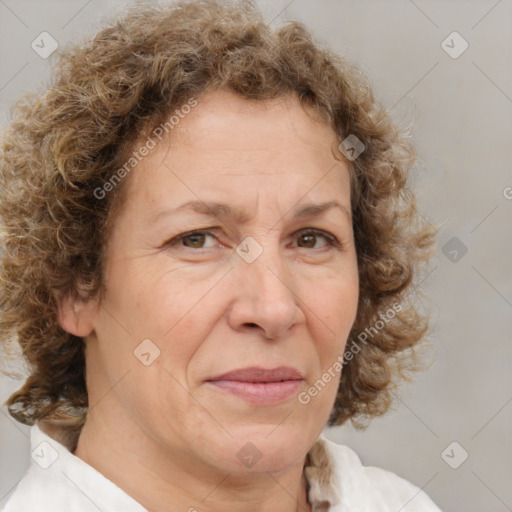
<point>260,386</point>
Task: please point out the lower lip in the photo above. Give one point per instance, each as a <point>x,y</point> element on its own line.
<point>260,392</point>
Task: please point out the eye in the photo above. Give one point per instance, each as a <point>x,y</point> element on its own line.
<point>192,240</point>
<point>309,238</point>
<point>306,239</point>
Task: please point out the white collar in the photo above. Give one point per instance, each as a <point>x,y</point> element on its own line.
<point>337,482</point>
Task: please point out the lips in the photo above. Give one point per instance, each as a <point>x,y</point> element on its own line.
<point>255,374</point>
<point>260,386</point>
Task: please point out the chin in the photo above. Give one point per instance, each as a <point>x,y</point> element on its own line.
<point>259,449</point>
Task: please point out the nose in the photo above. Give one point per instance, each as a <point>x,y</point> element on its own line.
<point>264,298</point>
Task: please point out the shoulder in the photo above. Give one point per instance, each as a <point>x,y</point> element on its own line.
<point>337,475</point>
<point>47,492</point>
<point>400,492</point>
<point>57,480</point>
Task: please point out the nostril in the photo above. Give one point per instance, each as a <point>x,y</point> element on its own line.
<point>252,325</point>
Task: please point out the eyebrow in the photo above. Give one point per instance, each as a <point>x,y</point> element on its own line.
<point>224,211</point>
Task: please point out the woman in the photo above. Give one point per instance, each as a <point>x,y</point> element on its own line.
<point>208,255</point>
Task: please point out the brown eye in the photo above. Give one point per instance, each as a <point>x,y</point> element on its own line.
<point>308,239</point>
<point>192,240</point>
<point>196,240</point>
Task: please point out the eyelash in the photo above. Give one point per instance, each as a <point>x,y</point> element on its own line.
<point>330,239</point>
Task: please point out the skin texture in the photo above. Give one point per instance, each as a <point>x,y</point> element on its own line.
<point>209,311</point>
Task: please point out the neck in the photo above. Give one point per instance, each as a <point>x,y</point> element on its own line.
<point>163,479</point>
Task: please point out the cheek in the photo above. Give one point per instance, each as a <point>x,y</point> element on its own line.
<point>152,300</point>
<point>333,312</point>
<point>178,314</point>
<point>335,303</point>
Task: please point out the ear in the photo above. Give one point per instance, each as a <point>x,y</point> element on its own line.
<point>75,315</point>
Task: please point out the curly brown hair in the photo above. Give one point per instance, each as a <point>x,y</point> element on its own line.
<point>106,93</point>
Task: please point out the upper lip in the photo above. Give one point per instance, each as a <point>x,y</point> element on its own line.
<point>257,374</point>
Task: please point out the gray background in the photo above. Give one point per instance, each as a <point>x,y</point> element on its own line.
<point>461,115</point>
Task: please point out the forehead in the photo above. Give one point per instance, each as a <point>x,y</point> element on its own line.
<point>228,143</point>
<point>218,113</point>
<point>223,120</point>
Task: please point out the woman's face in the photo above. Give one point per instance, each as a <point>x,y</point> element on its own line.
<point>260,287</point>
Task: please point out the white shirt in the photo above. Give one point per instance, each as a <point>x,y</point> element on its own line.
<point>58,481</point>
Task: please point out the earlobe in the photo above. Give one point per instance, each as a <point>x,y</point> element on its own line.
<point>75,316</point>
